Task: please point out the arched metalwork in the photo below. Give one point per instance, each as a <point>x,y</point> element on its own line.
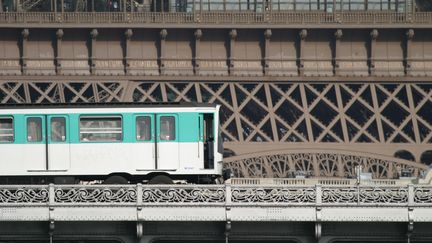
<point>319,163</point>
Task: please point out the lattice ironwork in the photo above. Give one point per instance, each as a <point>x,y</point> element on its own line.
<point>292,195</point>
<point>61,92</point>
<point>24,195</point>
<point>323,113</point>
<point>283,164</point>
<point>423,195</point>
<point>365,195</point>
<point>95,195</point>
<point>211,195</point>
<point>276,112</point>
<point>340,195</point>
<point>269,112</point>
<point>183,195</point>
<point>383,195</point>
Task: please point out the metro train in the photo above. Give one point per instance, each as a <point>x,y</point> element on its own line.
<point>113,143</point>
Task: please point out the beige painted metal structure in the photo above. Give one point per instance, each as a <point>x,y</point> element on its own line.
<point>292,83</point>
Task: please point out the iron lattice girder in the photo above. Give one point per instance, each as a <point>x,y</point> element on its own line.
<point>370,117</point>
<point>270,112</point>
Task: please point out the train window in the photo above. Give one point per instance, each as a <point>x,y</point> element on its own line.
<point>58,129</point>
<point>143,128</point>
<point>167,128</point>
<point>34,129</point>
<point>6,130</point>
<point>101,129</point>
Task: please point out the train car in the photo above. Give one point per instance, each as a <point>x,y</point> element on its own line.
<point>117,143</point>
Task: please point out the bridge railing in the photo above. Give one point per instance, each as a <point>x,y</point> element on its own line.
<point>215,195</point>
<point>217,17</point>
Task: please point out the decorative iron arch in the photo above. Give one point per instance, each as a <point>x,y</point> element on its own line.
<point>319,163</point>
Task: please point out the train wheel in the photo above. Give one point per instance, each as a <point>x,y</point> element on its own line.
<point>160,179</point>
<point>112,180</point>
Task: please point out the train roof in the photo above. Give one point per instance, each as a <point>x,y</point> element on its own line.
<point>106,105</point>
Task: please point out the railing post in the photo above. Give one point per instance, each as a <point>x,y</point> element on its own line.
<point>228,201</point>
<point>139,203</point>
<point>139,193</point>
<point>318,214</point>
<point>411,216</point>
<point>51,202</point>
<point>318,192</point>
<point>358,193</point>
<point>410,195</point>
<point>51,195</point>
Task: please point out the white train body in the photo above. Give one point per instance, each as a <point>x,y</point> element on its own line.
<point>100,141</point>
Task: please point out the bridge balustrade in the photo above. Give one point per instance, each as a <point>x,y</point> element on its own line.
<point>209,17</point>
<point>215,202</point>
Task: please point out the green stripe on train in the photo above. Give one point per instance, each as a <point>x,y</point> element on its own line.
<point>187,126</point>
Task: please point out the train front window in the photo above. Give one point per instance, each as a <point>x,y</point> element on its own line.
<point>143,128</point>
<point>101,129</point>
<point>6,130</point>
<point>34,129</point>
<point>58,129</point>
<point>167,128</point>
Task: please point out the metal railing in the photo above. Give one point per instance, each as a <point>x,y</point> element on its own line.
<point>216,195</point>
<point>217,18</point>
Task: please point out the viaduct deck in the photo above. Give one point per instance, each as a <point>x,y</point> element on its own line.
<point>351,203</point>
<point>290,210</point>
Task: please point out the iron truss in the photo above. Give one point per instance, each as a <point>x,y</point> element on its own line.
<point>268,112</point>
<point>374,118</point>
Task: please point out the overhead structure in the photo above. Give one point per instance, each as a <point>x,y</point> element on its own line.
<point>347,77</point>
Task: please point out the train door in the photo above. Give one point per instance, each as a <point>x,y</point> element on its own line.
<point>208,139</point>
<point>58,142</point>
<point>47,143</point>
<point>35,149</point>
<point>145,137</point>
<point>167,147</point>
